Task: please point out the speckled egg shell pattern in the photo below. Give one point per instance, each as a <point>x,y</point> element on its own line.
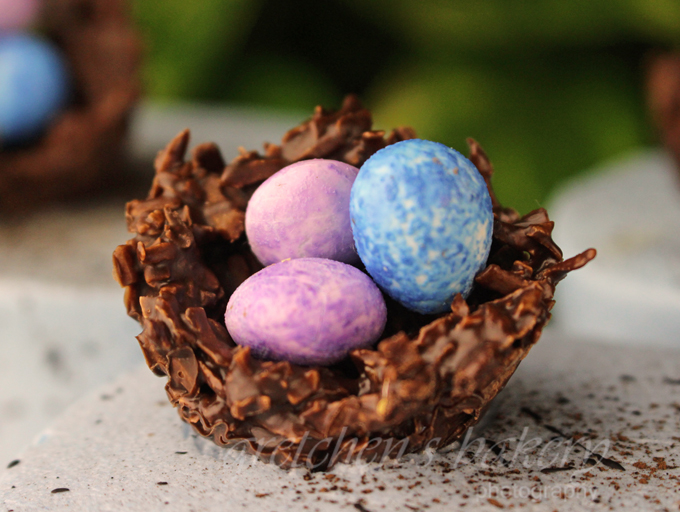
<point>302,211</point>
<point>308,311</point>
<point>422,221</point>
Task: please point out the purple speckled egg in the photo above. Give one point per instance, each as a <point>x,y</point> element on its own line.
<point>302,211</point>
<point>309,311</point>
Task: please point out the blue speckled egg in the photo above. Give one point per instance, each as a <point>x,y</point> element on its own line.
<point>34,86</point>
<point>422,222</point>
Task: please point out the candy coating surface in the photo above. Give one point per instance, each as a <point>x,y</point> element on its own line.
<point>34,86</point>
<point>422,221</point>
<point>302,211</point>
<point>308,311</point>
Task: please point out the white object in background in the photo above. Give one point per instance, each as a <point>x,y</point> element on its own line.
<point>629,210</point>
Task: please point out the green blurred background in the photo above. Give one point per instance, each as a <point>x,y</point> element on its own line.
<point>548,87</point>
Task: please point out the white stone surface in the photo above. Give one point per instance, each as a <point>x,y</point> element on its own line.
<point>124,447</point>
<point>629,210</point>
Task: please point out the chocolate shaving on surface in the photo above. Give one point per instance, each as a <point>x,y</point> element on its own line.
<point>84,142</point>
<point>425,383</point>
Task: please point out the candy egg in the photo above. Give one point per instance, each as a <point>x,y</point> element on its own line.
<point>17,14</point>
<point>422,221</point>
<point>302,211</point>
<point>33,86</point>
<point>307,311</point>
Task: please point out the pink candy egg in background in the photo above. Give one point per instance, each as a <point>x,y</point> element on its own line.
<point>18,14</point>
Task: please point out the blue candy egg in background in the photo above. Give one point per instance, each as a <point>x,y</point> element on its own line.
<point>34,86</point>
<point>422,222</point>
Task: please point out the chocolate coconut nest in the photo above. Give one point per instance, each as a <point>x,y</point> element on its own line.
<point>84,142</point>
<point>425,382</point>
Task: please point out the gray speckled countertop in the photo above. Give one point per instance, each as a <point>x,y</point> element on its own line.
<point>581,426</point>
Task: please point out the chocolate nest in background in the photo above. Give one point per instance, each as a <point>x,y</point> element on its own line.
<point>425,383</point>
<point>663,98</point>
<point>83,144</point>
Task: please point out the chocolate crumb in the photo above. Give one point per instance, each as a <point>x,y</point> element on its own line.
<point>610,463</point>
<point>593,458</point>
<point>672,382</point>
<point>555,430</point>
<point>548,471</point>
<point>534,415</point>
<point>13,463</point>
<point>161,483</point>
<point>60,490</point>
<point>660,463</point>
<point>498,452</point>
<point>181,453</point>
<point>360,507</point>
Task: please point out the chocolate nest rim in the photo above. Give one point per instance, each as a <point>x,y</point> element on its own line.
<point>425,383</point>
<point>84,142</point>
